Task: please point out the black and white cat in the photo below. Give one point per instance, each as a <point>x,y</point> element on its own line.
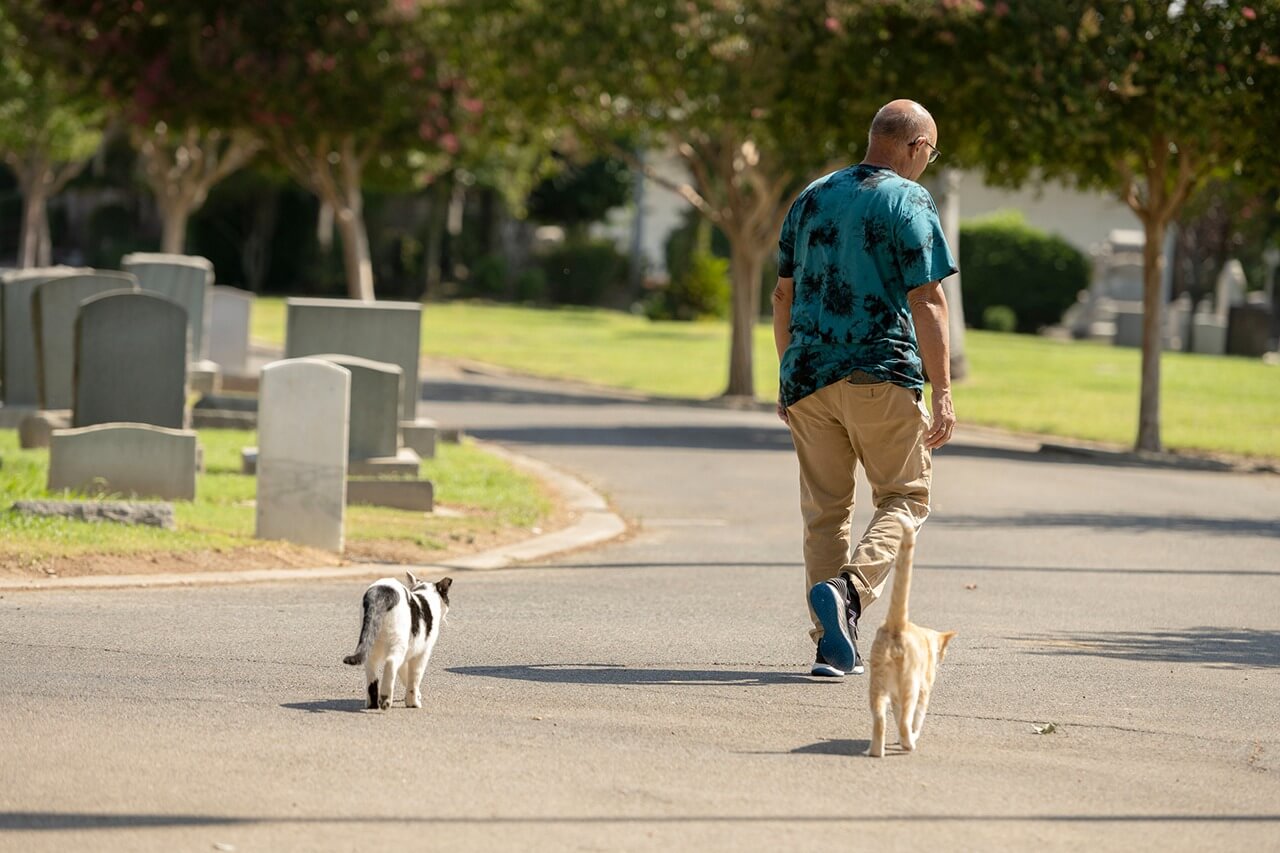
<point>400,628</point>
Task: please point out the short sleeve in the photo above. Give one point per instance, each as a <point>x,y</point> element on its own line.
<point>921,246</point>
<point>787,244</point>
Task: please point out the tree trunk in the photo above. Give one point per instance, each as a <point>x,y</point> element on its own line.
<point>1152,325</point>
<point>356,258</point>
<point>35,215</point>
<point>44,247</point>
<point>437,214</point>
<point>175,213</point>
<point>746,261</point>
<point>950,180</point>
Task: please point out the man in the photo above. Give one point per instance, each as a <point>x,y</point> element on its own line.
<point>858,317</point>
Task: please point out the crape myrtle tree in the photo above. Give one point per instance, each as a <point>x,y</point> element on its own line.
<point>1150,100</point>
<point>733,87</point>
<point>48,131</point>
<point>333,89</point>
<point>149,63</point>
<point>350,88</point>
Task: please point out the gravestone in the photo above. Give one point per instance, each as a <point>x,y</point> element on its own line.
<point>1208,331</point>
<point>184,279</point>
<point>54,307</point>
<point>18,384</point>
<point>375,406</point>
<point>130,361</point>
<point>232,310</point>
<point>135,460</point>
<point>302,452</point>
<point>379,331</point>
<point>1229,289</point>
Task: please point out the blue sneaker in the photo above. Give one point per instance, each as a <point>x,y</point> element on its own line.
<point>832,603</point>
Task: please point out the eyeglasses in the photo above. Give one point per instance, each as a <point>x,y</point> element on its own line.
<point>934,154</point>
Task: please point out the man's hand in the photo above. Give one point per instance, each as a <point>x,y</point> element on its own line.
<point>782,413</point>
<point>944,421</point>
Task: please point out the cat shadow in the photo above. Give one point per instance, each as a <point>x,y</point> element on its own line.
<point>844,747</point>
<point>600,673</point>
<point>839,746</point>
<point>322,706</point>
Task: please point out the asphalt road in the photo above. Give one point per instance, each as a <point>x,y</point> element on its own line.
<point>652,694</point>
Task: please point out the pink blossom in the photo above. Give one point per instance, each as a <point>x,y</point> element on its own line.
<point>833,25</point>
<point>449,143</point>
<point>1249,13</point>
<point>1001,9</point>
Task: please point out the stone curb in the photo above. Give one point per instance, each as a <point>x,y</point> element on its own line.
<point>596,524</point>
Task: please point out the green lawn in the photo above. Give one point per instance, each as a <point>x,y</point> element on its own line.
<point>1018,382</point>
<point>494,499</point>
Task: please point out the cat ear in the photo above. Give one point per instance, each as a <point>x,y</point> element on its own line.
<point>412,581</point>
<point>442,585</point>
<point>943,639</point>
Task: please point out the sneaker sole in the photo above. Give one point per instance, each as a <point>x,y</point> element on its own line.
<point>835,645</point>
<point>825,670</point>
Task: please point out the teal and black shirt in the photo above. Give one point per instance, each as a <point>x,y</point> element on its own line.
<point>855,242</point>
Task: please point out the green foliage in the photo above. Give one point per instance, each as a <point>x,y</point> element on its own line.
<point>1009,264</point>
<point>701,292</point>
<point>42,111</point>
<point>531,285</point>
<point>487,278</point>
<point>999,318</point>
<point>578,195</point>
<point>584,272</point>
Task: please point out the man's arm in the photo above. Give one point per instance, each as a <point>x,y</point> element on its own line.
<point>929,313</point>
<point>783,294</point>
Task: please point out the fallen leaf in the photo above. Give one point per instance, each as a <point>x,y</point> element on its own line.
<point>971,586</point>
<point>1044,728</point>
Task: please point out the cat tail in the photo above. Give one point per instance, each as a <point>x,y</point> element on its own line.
<point>897,616</point>
<point>377,601</point>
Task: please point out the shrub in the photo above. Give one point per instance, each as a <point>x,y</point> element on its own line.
<point>999,318</point>
<point>1007,263</point>
<point>584,273</point>
<point>531,285</point>
<point>487,278</point>
<point>702,291</point>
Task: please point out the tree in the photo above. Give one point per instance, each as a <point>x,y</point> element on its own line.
<point>335,89</point>
<point>148,64</point>
<point>711,79</point>
<point>47,133</point>
<point>1147,99</point>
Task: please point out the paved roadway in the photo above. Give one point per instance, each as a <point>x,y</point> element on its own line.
<point>652,694</point>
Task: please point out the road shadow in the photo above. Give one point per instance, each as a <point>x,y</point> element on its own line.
<point>324,706</point>
<point>1135,522</point>
<point>1206,571</point>
<point>49,821</point>
<point>1060,454</point>
<point>443,391</point>
<point>695,437</point>
<point>614,674</point>
<point>1219,648</point>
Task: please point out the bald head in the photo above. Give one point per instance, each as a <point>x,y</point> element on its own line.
<point>901,121</point>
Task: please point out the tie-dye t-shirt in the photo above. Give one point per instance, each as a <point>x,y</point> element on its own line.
<point>855,242</point>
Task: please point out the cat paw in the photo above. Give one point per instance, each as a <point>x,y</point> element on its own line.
<point>876,752</point>
<point>384,702</point>
<point>413,702</point>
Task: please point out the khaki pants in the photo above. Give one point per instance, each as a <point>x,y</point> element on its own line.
<point>881,427</point>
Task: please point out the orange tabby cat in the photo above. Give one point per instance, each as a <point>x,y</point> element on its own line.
<point>904,657</point>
